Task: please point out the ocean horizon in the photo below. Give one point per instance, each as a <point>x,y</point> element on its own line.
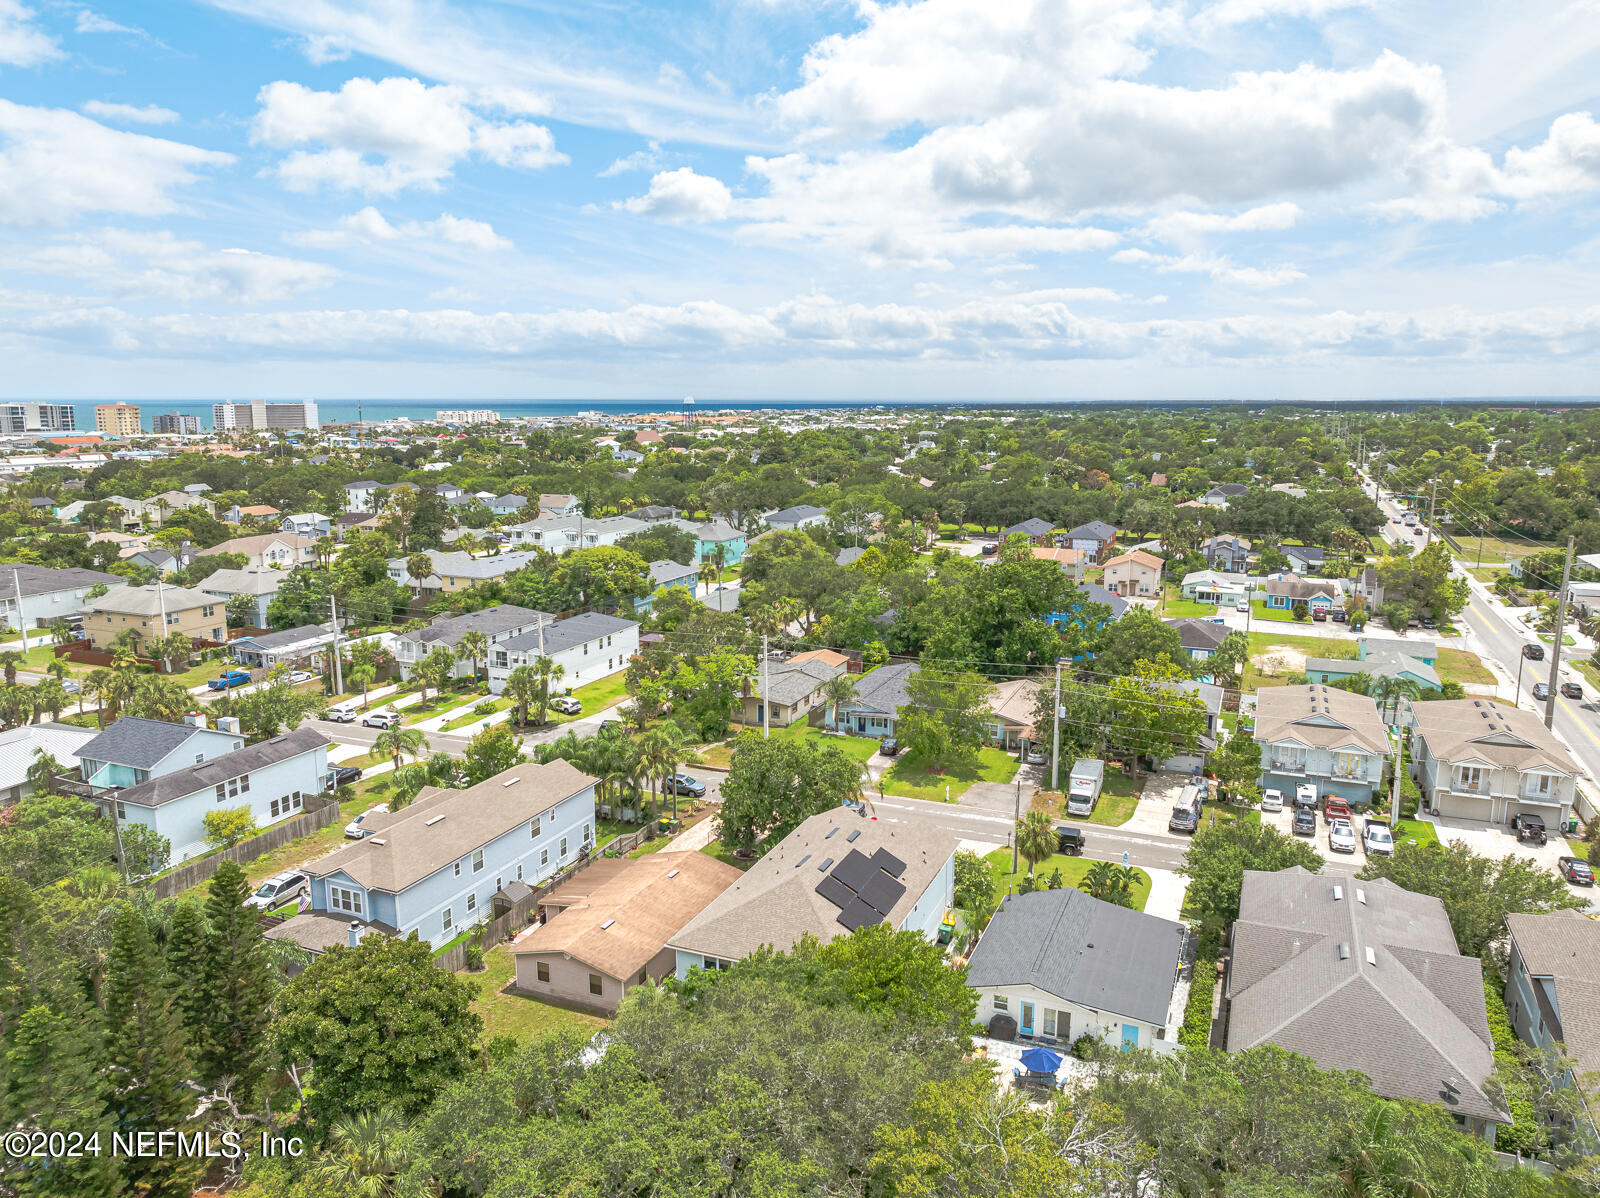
<point>377,410</point>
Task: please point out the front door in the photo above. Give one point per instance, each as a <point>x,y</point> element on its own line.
<point>1027,1019</point>
<point>1130,1036</point>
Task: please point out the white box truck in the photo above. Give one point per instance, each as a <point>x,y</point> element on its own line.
<point>1083,785</point>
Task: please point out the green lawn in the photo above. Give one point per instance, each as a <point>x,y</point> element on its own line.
<point>595,696</point>
<point>1073,870</point>
<point>912,778</point>
<point>1260,611</point>
<point>436,704</point>
<point>514,1015</point>
<point>859,747</point>
<point>39,656</point>
<point>1549,638</point>
<point>1457,665</point>
<point>472,715</point>
<point>1174,605</point>
<point>726,855</point>
<point>1263,643</point>
<point>1226,813</point>
<point>1418,830</point>
<point>299,852</point>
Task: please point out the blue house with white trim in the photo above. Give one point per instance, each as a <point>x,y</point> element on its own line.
<point>134,750</point>
<point>272,779</point>
<point>434,866</point>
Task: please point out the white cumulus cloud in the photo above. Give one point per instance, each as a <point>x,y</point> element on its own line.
<point>56,164</point>
<point>682,195</point>
<point>370,226</point>
<point>23,43</point>
<point>388,135</point>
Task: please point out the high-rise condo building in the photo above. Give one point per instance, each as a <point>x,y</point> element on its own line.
<point>37,418</point>
<point>466,416</point>
<point>117,419</point>
<point>259,414</point>
<point>175,422</point>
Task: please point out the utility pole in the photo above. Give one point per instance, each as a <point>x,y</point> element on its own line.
<point>1433,500</point>
<point>1016,818</point>
<point>1394,782</point>
<point>22,627</point>
<point>766,693</point>
<point>338,673</point>
<point>1555,652</point>
<point>1055,747</point>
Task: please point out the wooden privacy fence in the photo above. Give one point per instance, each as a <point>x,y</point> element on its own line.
<point>320,811</point>
<point>503,927</point>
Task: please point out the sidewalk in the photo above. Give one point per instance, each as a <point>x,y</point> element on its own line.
<point>1167,889</point>
<point>692,840</point>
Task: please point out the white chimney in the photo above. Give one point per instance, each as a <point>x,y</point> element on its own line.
<point>355,932</point>
<point>197,718</point>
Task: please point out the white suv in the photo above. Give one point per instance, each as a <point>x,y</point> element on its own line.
<point>381,719</point>
<point>278,890</point>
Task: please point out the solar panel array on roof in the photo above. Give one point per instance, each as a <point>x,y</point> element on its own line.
<point>883,892</point>
<point>855,870</point>
<point>836,892</point>
<point>859,915</point>
<point>890,864</point>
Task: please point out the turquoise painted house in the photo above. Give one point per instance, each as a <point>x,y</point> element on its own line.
<point>708,536</point>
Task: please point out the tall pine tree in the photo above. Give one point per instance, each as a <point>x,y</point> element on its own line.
<point>237,981</point>
<point>149,1058</point>
<point>56,1080</point>
<point>188,944</point>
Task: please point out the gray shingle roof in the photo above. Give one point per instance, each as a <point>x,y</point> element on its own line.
<point>1098,529</point>
<point>666,571</point>
<point>219,769</point>
<point>574,630</point>
<point>1088,952</point>
<point>43,580</point>
<point>1195,633</point>
<point>1412,1019</point>
<point>884,689</point>
<point>794,681</point>
<point>243,582</point>
<point>492,620</point>
<point>789,515</point>
<point>137,743</point>
<point>290,636</point>
<point>1032,527</point>
<point>1099,594</point>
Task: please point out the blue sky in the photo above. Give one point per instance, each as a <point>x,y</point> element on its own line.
<point>786,199</point>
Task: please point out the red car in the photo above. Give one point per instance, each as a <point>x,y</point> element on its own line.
<point>1333,807</point>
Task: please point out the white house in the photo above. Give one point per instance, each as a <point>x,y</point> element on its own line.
<point>557,534</point>
<point>307,524</point>
<point>38,596</point>
<point>18,745</point>
<point>1064,965</point>
<point>361,496</point>
<point>271,779</point>
<point>792,518</point>
<point>587,647</point>
<point>498,623</point>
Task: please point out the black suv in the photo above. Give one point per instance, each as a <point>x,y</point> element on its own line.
<point>1533,652</point>
<point>1541,691</point>
<point>1571,690</point>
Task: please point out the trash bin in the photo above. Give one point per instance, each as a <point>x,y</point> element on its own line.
<point>1572,823</point>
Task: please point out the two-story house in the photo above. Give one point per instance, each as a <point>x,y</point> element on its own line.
<point>134,750</point>
<point>1226,554</point>
<point>792,519</point>
<point>587,647</point>
<point>1222,495</point>
<point>456,571</point>
<point>307,524</point>
<point>1551,980</point>
<point>38,596</point>
<point>153,612</point>
<point>1133,573</point>
<point>1187,758</point>
<point>241,512</point>
<point>1199,639</point>
<point>557,534</point>
<point>269,551</point>
<point>498,623</point>
<point>1331,738</point>
<point>712,534</point>
<point>1040,532</point>
<point>559,505</point>
<point>1478,759</point>
<point>433,866</point>
<point>271,779</point>
<point>260,585</point>
<point>666,573</point>
<point>506,505</point>
<point>361,496</point>
<point>1094,538</point>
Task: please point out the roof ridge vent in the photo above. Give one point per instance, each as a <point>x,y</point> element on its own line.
<point>672,873</point>
<point>428,823</point>
<point>607,924</point>
<point>510,782</point>
<point>376,840</point>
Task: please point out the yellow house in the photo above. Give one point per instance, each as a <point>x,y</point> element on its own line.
<point>153,612</point>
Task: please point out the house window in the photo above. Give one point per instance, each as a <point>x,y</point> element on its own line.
<point>519,873</point>
<point>341,898</point>
<point>299,800</point>
<point>1347,764</point>
<point>477,861</point>
<point>586,836</point>
<point>1049,1022</point>
<point>1001,1002</point>
<point>544,856</point>
<point>542,971</point>
<point>122,811</point>
<point>499,883</point>
<point>222,792</point>
<point>595,986</point>
<point>472,903</point>
<point>1288,757</point>
<point>457,868</point>
<point>447,922</point>
<point>1538,785</point>
<point>563,847</point>
<point>1470,777</point>
<point>274,807</point>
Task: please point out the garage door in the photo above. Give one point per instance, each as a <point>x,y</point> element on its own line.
<point>1187,764</point>
<point>1549,812</point>
<point>1463,806</point>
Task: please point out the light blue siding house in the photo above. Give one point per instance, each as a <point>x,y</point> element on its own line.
<point>668,574</point>
<point>134,750</point>
<point>838,871</point>
<point>708,536</point>
<point>272,779</point>
<point>1329,738</point>
<point>434,867</point>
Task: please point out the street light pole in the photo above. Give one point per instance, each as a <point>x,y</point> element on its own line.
<point>1521,661</point>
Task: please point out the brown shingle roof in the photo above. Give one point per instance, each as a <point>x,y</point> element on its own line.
<point>1464,729</point>
<point>776,901</point>
<point>619,918</point>
<point>1321,716</point>
<point>250,546</point>
<point>404,847</point>
<point>1136,555</point>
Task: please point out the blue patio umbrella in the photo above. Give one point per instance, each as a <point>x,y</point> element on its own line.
<point>1041,1060</point>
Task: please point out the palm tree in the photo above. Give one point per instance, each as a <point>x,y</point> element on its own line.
<point>363,675</point>
<point>1036,838</point>
<point>837,691</point>
<point>166,649</point>
<point>524,690</point>
<point>548,674</point>
<point>664,748</point>
<point>1110,883</point>
<point>610,759</point>
<point>11,659</point>
<point>709,573</point>
<point>467,542</point>
<point>366,1152</point>
<point>474,645</point>
<point>398,742</point>
<point>50,696</point>
<point>57,669</point>
<point>418,567</point>
<point>43,771</point>
<point>1389,690</point>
